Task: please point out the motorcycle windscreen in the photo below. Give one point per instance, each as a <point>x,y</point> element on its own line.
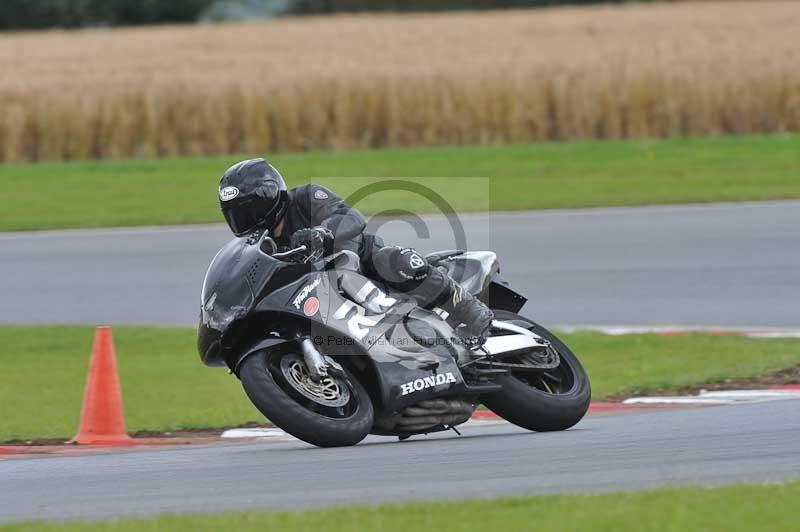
<point>227,294</point>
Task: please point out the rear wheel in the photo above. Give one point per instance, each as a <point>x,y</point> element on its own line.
<point>335,412</point>
<point>546,400</point>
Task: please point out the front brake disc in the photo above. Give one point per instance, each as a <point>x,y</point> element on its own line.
<point>330,391</point>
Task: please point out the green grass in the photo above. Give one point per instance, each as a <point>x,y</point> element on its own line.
<point>166,387</point>
<point>744,507</point>
<point>534,176</point>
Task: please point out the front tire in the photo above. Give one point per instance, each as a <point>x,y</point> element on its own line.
<point>553,400</point>
<point>312,419</point>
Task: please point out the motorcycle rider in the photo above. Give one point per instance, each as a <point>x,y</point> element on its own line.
<point>254,197</point>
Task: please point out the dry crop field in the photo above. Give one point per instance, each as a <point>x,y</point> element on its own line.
<point>376,80</point>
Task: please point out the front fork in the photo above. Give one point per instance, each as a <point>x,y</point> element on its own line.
<point>319,365</point>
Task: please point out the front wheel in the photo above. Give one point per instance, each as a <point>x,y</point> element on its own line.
<point>553,399</point>
<point>335,412</point>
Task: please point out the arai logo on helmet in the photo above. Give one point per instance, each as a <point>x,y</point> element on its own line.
<point>228,193</point>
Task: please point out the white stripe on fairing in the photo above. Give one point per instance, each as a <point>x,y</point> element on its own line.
<point>364,292</point>
<point>622,330</point>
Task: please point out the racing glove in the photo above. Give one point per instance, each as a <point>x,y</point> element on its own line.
<point>314,238</point>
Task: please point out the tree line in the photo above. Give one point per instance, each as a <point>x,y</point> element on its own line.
<point>334,6</point>
<point>35,14</point>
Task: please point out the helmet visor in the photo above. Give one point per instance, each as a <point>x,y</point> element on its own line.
<point>244,217</point>
<point>247,215</point>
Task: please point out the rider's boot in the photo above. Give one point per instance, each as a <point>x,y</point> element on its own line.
<point>464,308</point>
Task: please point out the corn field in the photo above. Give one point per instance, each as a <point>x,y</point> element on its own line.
<point>633,70</point>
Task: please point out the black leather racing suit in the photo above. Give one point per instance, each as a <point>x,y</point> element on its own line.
<point>404,269</point>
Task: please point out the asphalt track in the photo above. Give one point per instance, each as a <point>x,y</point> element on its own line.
<point>710,445</point>
<point>701,265</point>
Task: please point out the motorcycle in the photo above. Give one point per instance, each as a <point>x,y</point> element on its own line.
<point>330,356</point>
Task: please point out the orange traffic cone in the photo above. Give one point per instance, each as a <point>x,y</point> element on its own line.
<point>102,418</point>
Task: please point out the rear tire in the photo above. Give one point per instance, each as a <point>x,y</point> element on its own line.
<point>269,392</point>
<point>524,404</point>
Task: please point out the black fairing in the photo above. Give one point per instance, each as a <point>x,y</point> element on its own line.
<point>252,301</point>
<point>235,277</point>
